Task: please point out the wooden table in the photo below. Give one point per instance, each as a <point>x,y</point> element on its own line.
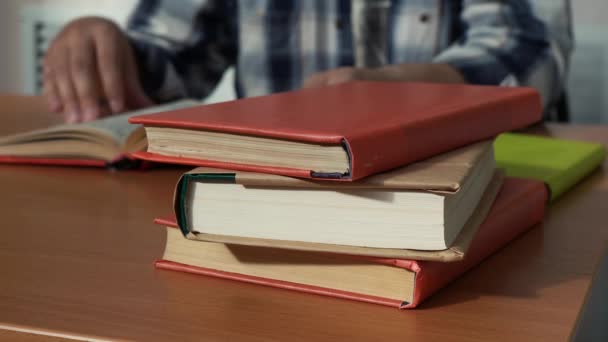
<point>78,244</point>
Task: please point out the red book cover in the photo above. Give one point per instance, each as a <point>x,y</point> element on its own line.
<point>519,206</point>
<point>120,162</point>
<point>381,125</point>
<point>51,161</point>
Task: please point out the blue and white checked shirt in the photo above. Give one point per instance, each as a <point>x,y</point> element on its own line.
<point>183,47</point>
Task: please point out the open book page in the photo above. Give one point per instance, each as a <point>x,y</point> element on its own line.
<point>119,127</point>
<point>113,129</point>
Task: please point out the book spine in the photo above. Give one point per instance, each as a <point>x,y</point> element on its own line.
<point>182,188</point>
<point>393,145</point>
<point>504,224</point>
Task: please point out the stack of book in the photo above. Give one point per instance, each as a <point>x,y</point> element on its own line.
<point>378,192</point>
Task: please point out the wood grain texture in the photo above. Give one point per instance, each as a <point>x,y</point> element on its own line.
<point>19,336</point>
<point>77,248</point>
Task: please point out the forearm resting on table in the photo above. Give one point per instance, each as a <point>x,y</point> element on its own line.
<point>428,72</point>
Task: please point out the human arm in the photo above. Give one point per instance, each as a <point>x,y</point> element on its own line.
<point>93,68</point>
<point>183,48</point>
<point>514,43</point>
<point>406,72</point>
<point>89,71</point>
<point>509,43</point>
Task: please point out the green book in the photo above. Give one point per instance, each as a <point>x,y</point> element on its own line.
<point>557,162</point>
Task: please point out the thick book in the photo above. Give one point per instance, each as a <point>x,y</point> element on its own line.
<point>396,282</point>
<point>422,206</point>
<point>344,132</point>
<point>456,252</point>
<point>557,162</point>
<point>109,141</point>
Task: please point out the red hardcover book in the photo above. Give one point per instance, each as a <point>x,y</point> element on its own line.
<point>346,131</point>
<point>52,161</point>
<point>519,206</point>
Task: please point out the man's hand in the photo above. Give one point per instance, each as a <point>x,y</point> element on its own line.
<point>437,73</point>
<point>90,71</point>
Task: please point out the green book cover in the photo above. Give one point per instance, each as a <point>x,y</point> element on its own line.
<point>557,162</point>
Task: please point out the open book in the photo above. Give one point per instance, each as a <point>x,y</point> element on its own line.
<point>96,143</point>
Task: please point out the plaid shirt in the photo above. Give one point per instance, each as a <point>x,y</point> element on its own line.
<point>184,47</point>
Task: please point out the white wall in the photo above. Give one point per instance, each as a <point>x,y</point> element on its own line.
<point>588,82</point>
<point>3,46</point>
<point>11,79</point>
<point>590,12</point>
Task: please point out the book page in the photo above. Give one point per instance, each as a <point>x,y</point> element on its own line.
<point>120,128</point>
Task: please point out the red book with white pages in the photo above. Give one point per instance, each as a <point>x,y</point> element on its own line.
<point>341,132</point>
<point>519,206</point>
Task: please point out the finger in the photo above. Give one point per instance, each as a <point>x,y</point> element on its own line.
<point>84,77</point>
<point>110,68</point>
<point>316,80</point>
<point>104,107</point>
<point>49,90</point>
<point>342,75</point>
<point>65,87</point>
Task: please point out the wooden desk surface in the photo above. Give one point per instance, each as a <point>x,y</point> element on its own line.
<point>78,244</point>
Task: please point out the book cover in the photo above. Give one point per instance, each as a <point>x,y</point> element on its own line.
<point>557,162</point>
<point>122,161</point>
<point>380,125</point>
<point>524,206</point>
<point>52,161</point>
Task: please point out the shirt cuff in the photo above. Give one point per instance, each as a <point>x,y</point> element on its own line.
<point>153,69</point>
<point>477,67</point>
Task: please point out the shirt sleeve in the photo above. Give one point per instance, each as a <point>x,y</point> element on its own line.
<point>182,47</point>
<point>514,43</point>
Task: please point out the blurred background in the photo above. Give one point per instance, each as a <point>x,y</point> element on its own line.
<point>26,27</point>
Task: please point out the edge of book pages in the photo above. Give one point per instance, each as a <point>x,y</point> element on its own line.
<point>107,132</point>
<point>454,253</point>
<point>442,173</point>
